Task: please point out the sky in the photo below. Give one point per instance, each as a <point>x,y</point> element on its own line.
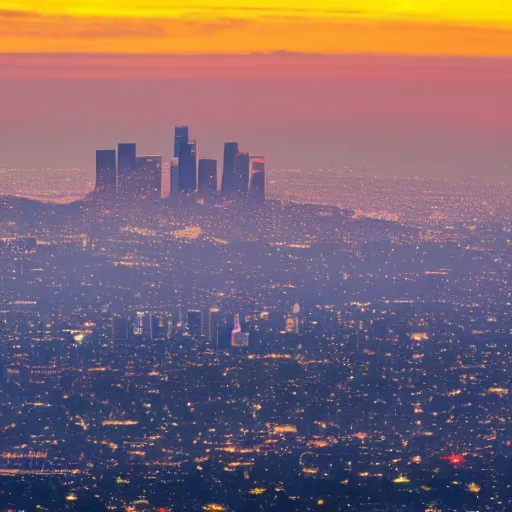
<point>417,27</point>
<point>405,85</point>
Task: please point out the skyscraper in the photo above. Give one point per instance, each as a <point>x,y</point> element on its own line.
<point>180,136</point>
<point>195,322</point>
<point>241,180</point>
<point>228,168</point>
<point>188,167</point>
<point>207,175</point>
<point>106,181</point>
<point>215,318</point>
<point>257,179</point>
<point>166,179</point>
<point>148,177</point>
<point>239,338</point>
<point>126,168</point>
<point>175,177</point>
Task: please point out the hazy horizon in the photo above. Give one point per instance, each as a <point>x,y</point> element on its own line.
<point>403,115</point>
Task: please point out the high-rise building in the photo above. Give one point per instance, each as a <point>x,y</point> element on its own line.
<point>242,163</point>
<point>166,179</point>
<point>257,179</point>
<point>195,322</point>
<point>180,136</point>
<point>106,180</point>
<point>188,167</point>
<point>292,324</point>
<point>215,318</point>
<point>239,338</point>
<point>126,168</point>
<point>222,337</point>
<point>121,329</point>
<point>148,178</point>
<point>175,177</point>
<point>228,167</point>
<point>158,326</point>
<point>207,175</point>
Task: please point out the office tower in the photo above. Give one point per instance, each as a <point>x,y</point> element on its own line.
<point>138,323</point>
<point>180,136</point>
<point>228,167</point>
<point>166,179</point>
<point>215,319</point>
<point>207,175</point>
<point>188,167</point>
<point>106,180</point>
<point>148,178</point>
<point>195,322</point>
<point>121,329</point>
<point>239,338</point>
<point>175,177</point>
<point>257,179</point>
<point>222,337</point>
<point>241,182</point>
<point>292,324</point>
<point>158,327</point>
<point>126,168</point>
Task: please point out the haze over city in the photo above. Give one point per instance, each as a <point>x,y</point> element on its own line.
<point>255,257</point>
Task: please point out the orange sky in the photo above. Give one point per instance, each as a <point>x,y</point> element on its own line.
<point>416,27</point>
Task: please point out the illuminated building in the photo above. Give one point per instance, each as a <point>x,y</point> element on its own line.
<point>228,167</point>
<point>138,325</point>
<point>180,136</point>
<point>257,179</point>
<point>166,179</point>
<point>207,175</point>
<point>292,324</point>
<point>126,167</point>
<point>187,172</point>
<point>215,318</point>
<point>292,320</point>
<point>239,338</point>
<point>148,177</point>
<point>158,327</point>
<point>339,318</point>
<point>106,181</point>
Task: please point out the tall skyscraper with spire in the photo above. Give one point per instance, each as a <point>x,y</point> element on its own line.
<point>106,173</point>
<point>228,167</point>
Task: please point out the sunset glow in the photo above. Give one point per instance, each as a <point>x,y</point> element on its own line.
<point>426,27</point>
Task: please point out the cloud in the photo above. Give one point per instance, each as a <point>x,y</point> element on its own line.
<point>29,32</point>
<point>6,13</point>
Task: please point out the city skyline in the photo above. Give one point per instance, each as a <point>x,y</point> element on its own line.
<point>148,177</point>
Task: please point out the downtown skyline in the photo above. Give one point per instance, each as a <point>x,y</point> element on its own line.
<point>130,176</point>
